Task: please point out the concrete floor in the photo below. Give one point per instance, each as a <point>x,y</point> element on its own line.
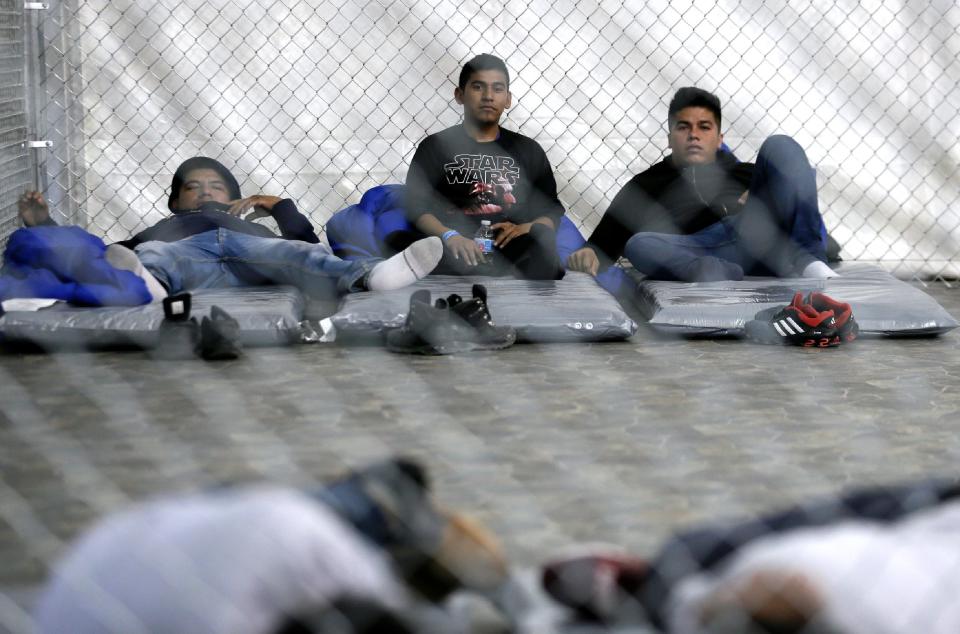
<point>550,445</point>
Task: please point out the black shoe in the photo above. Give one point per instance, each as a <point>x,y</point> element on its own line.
<point>847,327</point>
<point>450,326</point>
<point>179,333</point>
<point>429,328</point>
<point>425,327</point>
<point>797,323</point>
<point>485,335</point>
<point>219,336</point>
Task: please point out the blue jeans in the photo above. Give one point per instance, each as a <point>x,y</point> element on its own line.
<point>226,259</point>
<point>778,232</point>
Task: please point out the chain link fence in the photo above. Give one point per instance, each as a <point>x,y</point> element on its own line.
<point>100,101</point>
<point>15,166</point>
<point>321,100</point>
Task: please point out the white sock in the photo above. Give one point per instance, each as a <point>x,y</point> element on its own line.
<point>120,257</point>
<point>406,267</point>
<point>818,270</point>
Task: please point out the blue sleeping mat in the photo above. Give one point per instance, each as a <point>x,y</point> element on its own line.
<point>268,316</point>
<point>882,304</point>
<point>575,308</point>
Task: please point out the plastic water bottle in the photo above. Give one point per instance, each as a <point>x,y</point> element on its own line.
<point>484,239</point>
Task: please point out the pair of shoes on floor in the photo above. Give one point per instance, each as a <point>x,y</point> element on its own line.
<point>436,552</point>
<point>449,326</point>
<point>215,338</point>
<point>816,321</point>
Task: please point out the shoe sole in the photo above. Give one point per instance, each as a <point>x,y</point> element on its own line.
<point>762,332</point>
<point>454,347</point>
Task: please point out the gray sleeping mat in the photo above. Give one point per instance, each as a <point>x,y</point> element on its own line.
<point>882,304</point>
<point>268,316</point>
<point>575,308</point>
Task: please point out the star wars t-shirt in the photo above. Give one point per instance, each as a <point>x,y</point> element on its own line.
<point>462,181</point>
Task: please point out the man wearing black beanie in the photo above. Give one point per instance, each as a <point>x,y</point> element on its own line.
<point>202,162</point>
<point>207,244</point>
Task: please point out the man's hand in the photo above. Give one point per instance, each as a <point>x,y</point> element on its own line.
<point>32,209</point>
<point>261,204</point>
<point>464,249</point>
<point>507,231</point>
<point>584,260</point>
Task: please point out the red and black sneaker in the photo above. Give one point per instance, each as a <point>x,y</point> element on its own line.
<point>798,324</point>
<point>847,327</point>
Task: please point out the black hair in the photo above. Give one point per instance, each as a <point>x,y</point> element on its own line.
<point>691,97</point>
<point>483,61</point>
<point>199,163</point>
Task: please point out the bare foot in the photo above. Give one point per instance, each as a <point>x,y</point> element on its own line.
<point>33,209</point>
<point>780,601</point>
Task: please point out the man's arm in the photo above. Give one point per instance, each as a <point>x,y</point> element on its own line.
<point>584,260</point>
<point>623,218</point>
<point>543,199</point>
<point>34,211</point>
<point>507,231</point>
<point>422,198</point>
<point>293,225</point>
<point>462,247</point>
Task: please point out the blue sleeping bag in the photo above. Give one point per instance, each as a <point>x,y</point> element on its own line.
<point>359,231</point>
<point>66,263</point>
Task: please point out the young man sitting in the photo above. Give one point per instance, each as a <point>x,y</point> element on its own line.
<point>206,244</point>
<point>702,215</point>
<point>479,171</point>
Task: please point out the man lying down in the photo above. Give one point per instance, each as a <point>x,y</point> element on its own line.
<point>207,244</point>
<point>882,559</point>
<point>366,552</point>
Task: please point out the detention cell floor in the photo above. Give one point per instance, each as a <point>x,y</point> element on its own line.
<point>550,445</point>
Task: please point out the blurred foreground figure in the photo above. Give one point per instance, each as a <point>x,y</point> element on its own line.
<point>351,557</point>
<point>883,560</point>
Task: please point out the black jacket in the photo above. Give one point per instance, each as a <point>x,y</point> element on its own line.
<point>293,225</point>
<point>665,199</point>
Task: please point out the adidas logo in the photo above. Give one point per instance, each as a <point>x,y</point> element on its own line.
<point>787,326</point>
<point>798,323</point>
